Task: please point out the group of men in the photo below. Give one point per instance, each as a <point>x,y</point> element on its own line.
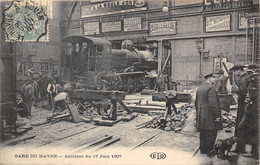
<point>37,88</point>
<point>245,84</point>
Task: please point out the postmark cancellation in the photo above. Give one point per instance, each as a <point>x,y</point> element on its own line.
<point>25,21</point>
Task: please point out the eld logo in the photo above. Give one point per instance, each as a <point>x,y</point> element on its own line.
<point>158,155</point>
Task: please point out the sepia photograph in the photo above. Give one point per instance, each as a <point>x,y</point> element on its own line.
<point>129,82</point>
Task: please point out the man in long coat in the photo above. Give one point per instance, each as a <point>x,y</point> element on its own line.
<point>248,128</point>
<point>208,114</point>
<point>242,84</point>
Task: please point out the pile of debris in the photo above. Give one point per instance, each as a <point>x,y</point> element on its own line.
<point>229,121</point>
<point>173,122</point>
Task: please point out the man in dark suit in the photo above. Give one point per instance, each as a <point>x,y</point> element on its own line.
<point>248,128</point>
<point>243,81</point>
<point>208,114</point>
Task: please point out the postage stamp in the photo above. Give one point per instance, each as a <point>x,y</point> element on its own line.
<point>25,21</point>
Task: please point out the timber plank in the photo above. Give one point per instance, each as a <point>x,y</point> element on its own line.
<point>74,113</point>
<point>18,139</point>
<point>97,94</point>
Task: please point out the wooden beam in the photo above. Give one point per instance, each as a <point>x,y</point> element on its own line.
<point>181,97</point>
<point>18,139</point>
<point>74,113</point>
<point>96,94</point>
<point>124,106</point>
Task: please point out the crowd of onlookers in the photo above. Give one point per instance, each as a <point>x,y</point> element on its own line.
<point>40,88</point>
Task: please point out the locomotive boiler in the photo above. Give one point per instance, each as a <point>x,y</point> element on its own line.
<point>90,57</point>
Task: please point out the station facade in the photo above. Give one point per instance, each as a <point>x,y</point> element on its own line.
<point>228,30</point>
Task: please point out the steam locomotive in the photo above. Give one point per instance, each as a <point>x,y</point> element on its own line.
<point>87,57</point>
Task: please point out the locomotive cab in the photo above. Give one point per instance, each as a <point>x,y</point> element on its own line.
<point>82,57</point>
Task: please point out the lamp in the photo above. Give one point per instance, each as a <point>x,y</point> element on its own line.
<point>165,7</point>
<point>199,44</point>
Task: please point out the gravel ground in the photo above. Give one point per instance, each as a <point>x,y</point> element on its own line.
<point>49,134</point>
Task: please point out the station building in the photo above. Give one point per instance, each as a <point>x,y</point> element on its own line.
<point>227,30</point>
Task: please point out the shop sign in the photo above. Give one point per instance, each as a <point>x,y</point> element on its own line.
<point>218,23</point>
<point>163,28</point>
<point>225,4</point>
<point>91,28</point>
<point>132,24</point>
<point>113,7</point>
<point>111,26</point>
<point>242,20</point>
<point>126,36</point>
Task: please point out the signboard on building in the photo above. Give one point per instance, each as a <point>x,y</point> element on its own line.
<point>163,28</point>
<point>132,24</point>
<point>218,23</point>
<point>113,7</point>
<point>111,26</point>
<point>225,4</point>
<point>242,20</point>
<point>127,36</point>
<point>91,28</point>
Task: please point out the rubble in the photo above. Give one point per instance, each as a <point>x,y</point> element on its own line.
<point>229,121</point>
<point>173,122</point>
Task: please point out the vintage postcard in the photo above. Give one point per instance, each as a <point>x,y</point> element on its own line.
<point>129,82</point>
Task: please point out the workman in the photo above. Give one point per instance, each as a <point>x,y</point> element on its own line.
<point>27,93</point>
<point>79,85</point>
<point>116,81</point>
<point>161,82</point>
<point>208,114</point>
<point>30,74</point>
<point>52,91</point>
<point>221,85</point>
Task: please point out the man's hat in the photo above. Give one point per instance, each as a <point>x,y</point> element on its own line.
<point>210,75</point>
<point>237,67</point>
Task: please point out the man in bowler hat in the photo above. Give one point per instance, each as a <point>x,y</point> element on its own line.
<point>208,114</point>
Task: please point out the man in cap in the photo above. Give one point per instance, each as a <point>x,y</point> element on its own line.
<point>243,81</point>
<point>208,114</point>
